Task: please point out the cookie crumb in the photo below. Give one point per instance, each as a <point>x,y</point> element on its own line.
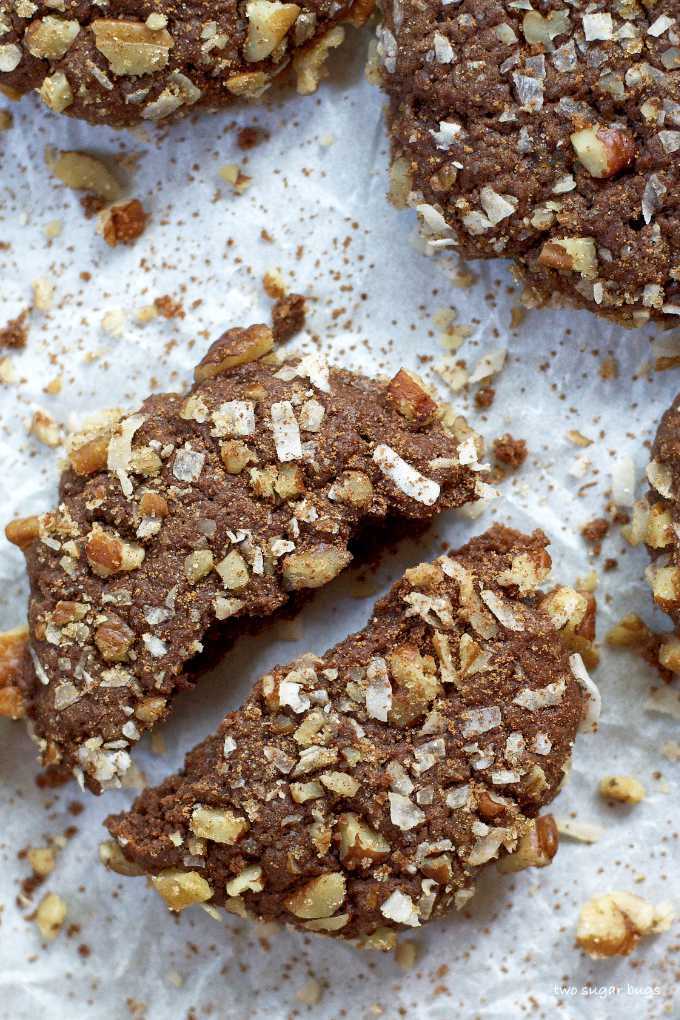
<point>288,317</point>
<point>123,223</point>
<point>594,532</point>
<point>510,451</point>
<point>15,333</point>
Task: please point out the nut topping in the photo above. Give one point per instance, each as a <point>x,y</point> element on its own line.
<point>235,347</point>
<point>131,47</point>
<point>603,151</point>
<point>13,645</point>
<point>410,398</point>
<point>181,889</point>
<point>613,924</point>
<point>268,23</point>
<point>49,38</point>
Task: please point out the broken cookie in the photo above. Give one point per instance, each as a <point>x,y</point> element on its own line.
<point>358,794</point>
<point>216,505</point>
<point>122,65</point>
<point>551,136</point>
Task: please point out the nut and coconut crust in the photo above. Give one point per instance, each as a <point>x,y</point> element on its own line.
<point>219,505</point>
<point>357,794</point>
<point>655,520</point>
<point>548,134</point>
<point>123,64</point>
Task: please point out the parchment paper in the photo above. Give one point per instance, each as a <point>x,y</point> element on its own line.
<point>318,189</point>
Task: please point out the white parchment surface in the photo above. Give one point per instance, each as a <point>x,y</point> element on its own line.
<point>318,190</point>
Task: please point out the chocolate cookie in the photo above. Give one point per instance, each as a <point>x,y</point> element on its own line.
<point>548,133</point>
<point>655,521</point>
<point>359,793</point>
<point>122,64</point>
<point>213,506</point>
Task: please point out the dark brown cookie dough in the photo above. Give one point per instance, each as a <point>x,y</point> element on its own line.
<point>359,793</point>
<point>121,64</point>
<point>549,133</point>
<point>655,521</point>
<point>217,505</point>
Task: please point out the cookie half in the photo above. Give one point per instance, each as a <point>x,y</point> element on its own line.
<point>549,135</point>
<point>204,511</point>
<point>359,793</point>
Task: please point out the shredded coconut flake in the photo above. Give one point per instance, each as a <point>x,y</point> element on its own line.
<point>289,694</point>
<point>584,832</point>
<point>490,364</point>
<point>598,27</point>
<point>312,415</point>
<point>286,432</point>
<point>623,481</point>
<point>544,697</point>
<point>66,694</point>
<point>480,720</point>
<point>458,797</point>
<point>188,465</point>
<point>405,477</point>
<point>400,908</point>
<point>446,135</point>
<point>593,705</point>
<point>660,477</point>
<point>501,610</point>
<point>379,691</point>
<point>119,454</point>
<point>234,418</point>
<point>154,645</point>
<point>404,814</point>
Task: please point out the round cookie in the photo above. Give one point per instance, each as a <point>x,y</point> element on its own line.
<point>551,135</point>
<point>121,64</point>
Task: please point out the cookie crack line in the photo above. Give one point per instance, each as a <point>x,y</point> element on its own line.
<point>551,137</point>
<point>359,793</point>
<point>200,512</point>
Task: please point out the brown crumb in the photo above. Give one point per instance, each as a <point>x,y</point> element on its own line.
<point>594,531</point>
<point>288,317</point>
<point>517,316</point>
<point>92,205</point>
<point>248,137</point>
<point>485,397</point>
<point>52,777</point>
<point>15,333</point>
<point>510,451</point>
<point>123,223</point>
<point>274,285</point>
<point>609,369</point>
<point>169,307</point>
